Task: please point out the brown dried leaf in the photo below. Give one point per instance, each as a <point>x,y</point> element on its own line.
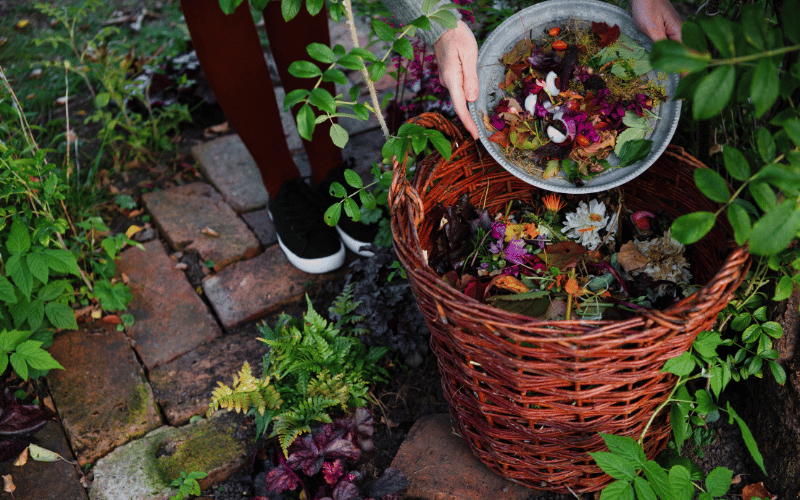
<point>562,255</point>
<point>756,490</point>
<point>22,459</point>
<point>209,232</point>
<point>8,484</point>
<point>509,283</point>
<point>630,258</point>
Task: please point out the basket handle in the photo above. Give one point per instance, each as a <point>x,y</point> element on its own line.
<point>401,190</point>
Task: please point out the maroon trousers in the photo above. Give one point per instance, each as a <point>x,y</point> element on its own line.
<point>232,59</point>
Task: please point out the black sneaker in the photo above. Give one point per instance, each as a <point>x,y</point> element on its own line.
<point>309,244</point>
<point>357,236</point>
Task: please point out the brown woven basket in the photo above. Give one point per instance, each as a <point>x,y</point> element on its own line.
<point>530,396</point>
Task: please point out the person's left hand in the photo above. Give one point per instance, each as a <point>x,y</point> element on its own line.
<point>457,56</point>
<point>657,19</point>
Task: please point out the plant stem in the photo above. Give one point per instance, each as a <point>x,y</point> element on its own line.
<point>753,57</point>
<point>351,23</point>
<point>658,410</point>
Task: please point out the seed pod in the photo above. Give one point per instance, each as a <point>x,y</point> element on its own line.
<point>559,45</point>
<point>554,31</point>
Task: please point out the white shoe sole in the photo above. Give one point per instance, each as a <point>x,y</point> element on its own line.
<point>353,244</point>
<point>313,266</point>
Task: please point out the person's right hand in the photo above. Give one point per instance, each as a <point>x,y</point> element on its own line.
<point>457,56</point>
<point>657,19</point>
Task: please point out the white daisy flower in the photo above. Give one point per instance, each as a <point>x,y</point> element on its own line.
<point>584,225</point>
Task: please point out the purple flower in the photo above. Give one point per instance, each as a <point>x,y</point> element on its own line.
<point>515,252</point>
<point>498,230</point>
<point>497,122</point>
<point>496,247</point>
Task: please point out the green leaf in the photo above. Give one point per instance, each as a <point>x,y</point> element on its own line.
<point>718,481</point>
<point>751,333</point>
<point>337,190</point>
<point>735,163</point>
<point>383,31</point>
<point>777,372</point>
<point>784,289</point>
<point>693,37</point>
<point>306,122</point>
<point>692,227</point>
<point>792,129</point>
<point>351,209</point>
<point>339,135</point>
<point>53,290</point>
<point>790,20</point>
<point>673,57</point>
<point>633,151</point>
<point>403,47</point>
<point>713,92</point>
<point>618,490</point>
<point>678,423</point>
<point>367,199</point>
<point>773,329</point>
<point>323,99</point>
<point>721,32</point>
<point>294,97</point>
<point>681,481</point>
<point>765,87</point>
<point>643,489</point>
<point>332,214</point>
<point>333,75</point>
<point>353,179</point>
<point>706,344</point>
<point>361,111</point>
<point>19,365</point>
<point>304,69</point>
<point>659,480</point>
<point>36,357</point>
<point>35,314</point>
<point>290,8</point>
<point>687,84</point>
<point>377,70</point>
<point>37,265</point>
<point>60,316</point>
<point>19,239</point>
<point>681,366</point>
<point>114,297</point>
<point>422,23</point>
<point>7,294</point>
<point>749,441</point>
<point>62,261</point>
<point>440,143</point>
<point>101,100</point>
<point>776,229</point>
<point>445,18</point>
<point>3,361</point>
<point>712,184</point>
<point>613,465</point>
<point>18,271</point>
<point>740,222</point>
<point>364,54</point>
<point>705,404</point>
<point>763,195</point>
<point>766,144</point>
<point>313,7</point>
<point>350,61</point>
<point>625,447</point>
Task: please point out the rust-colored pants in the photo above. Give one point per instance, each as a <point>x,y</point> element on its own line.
<point>232,59</point>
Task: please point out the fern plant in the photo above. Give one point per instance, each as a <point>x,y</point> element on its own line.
<point>313,370</point>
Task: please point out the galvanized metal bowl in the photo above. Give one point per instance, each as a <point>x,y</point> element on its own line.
<point>536,19</point>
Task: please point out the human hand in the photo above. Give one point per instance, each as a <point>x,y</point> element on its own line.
<point>457,56</point>
<point>657,19</point>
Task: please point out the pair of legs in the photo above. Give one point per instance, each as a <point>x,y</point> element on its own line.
<point>232,59</point>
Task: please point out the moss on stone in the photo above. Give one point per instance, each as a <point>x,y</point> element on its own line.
<point>206,448</point>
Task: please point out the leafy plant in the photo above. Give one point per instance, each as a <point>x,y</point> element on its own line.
<point>325,461</point>
<point>312,368</point>
<point>646,479</point>
<point>187,484</point>
<point>17,423</point>
<point>25,354</point>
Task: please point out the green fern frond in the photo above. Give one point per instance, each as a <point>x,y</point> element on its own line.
<point>292,423</point>
<point>247,391</point>
<point>334,389</point>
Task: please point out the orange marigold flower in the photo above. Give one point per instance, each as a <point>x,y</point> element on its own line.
<point>531,231</point>
<point>553,203</point>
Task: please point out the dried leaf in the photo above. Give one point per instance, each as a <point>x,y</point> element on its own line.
<point>133,229</point>
<point>36,74</point>
<point>125,279</point>
<point>97,314</point>
<point>572,287</point>
<point>608,34</point>
<point>562,255</point>
<point>756,490</point>
<point>43,455</point>
<point>209,232</point>
<point>181,266</point>
<point>8,484</point>
<point>112,319</point>
<point>630,258</point>
<point>22,24</point>
<point>509,283</point>
<point>520,51</point>
<point>22,459</point>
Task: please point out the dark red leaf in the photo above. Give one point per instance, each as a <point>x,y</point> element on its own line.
<point>389,483</point>
<point>281,479</point>
<point>608,34</point>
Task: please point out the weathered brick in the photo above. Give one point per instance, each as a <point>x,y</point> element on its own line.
<point>262,226</point>
<point>230,168</point>
<point>442,467</point>
<point>170,319</point>
<point>183,386</point>
<point>195,216</point>
<point>102,395</point>
<point>254,288</point>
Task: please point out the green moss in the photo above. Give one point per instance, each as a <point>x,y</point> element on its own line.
<point>206,448</point>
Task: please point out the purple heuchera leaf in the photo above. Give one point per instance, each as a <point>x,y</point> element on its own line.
<point>346,490</point>
<point>17,421</point>
<point>570,59</point>
<point>281,479</point>
<point>332,471</point>
<point>309,452</point>
<point>389,483</point>
<point>545,61</point>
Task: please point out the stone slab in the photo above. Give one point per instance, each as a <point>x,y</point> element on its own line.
<point>195,216</point>
<point>254,288</point>
<point>47,480</point>
<point>230,168</point>
<point>143,469</point>
<point>263,227</point>
<point>170,319</point>
<point>441,466</point>
<point>102,395</point>
<point>183,386</point>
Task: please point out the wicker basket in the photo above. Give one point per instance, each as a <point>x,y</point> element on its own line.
<point>530,396</point>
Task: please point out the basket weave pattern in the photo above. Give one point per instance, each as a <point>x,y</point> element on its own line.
<point>530,396</point>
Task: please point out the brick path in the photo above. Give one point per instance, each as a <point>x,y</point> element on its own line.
<point>125,399</point>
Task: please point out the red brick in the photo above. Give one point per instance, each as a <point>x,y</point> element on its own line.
<point>102,395</point>
<point>170,319</point>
